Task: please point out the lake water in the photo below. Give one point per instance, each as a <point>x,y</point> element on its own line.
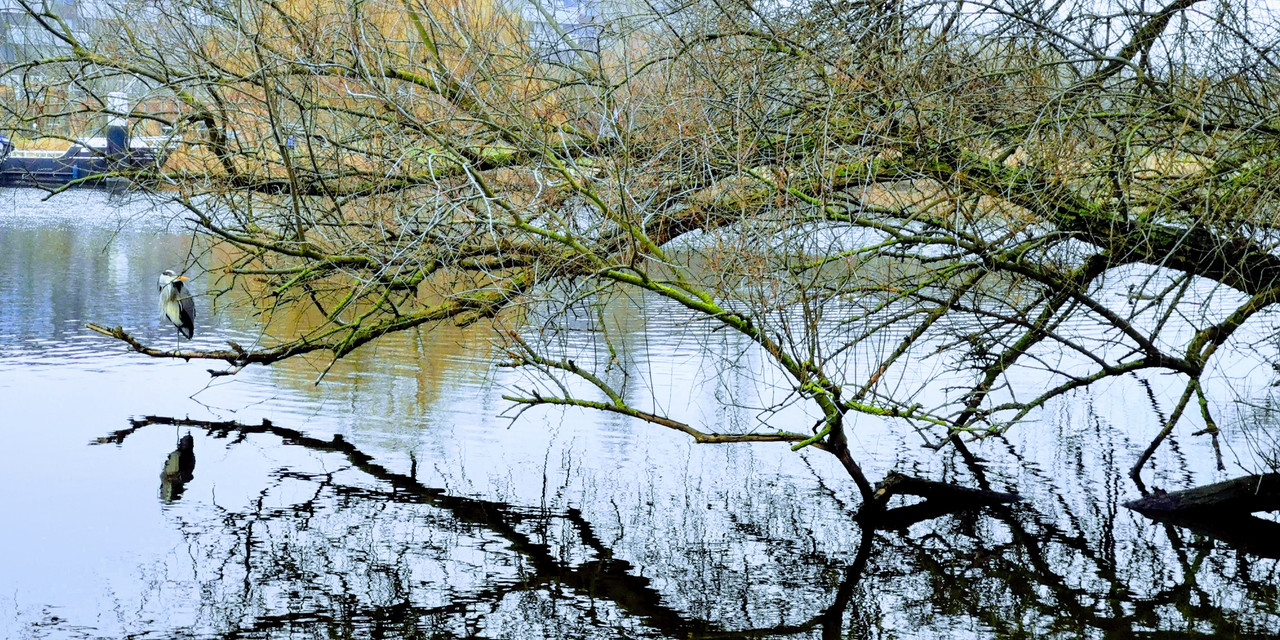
<point>434,515</point>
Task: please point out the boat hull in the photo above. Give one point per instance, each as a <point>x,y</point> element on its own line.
<point>79,166</point>
<point>81,169</point>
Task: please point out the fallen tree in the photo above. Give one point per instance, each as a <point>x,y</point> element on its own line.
<point>940,215</point>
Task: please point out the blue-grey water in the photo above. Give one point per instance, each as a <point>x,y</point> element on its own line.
<point>434,515</point>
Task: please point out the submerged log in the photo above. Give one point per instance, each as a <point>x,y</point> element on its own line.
<point>1241,495</point>
<point>941,498</point>
<point>1223,511</point>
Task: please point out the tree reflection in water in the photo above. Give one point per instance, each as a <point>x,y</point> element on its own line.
<point>364,551</point>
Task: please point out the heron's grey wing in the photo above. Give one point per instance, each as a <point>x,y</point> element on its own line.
<point>187,314</point>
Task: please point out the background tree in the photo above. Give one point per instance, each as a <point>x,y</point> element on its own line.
<point>940,214</point>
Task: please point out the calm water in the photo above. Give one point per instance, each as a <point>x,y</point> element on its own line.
<point>434,516</point>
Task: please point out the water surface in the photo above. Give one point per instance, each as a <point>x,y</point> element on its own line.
<point>396,499</point>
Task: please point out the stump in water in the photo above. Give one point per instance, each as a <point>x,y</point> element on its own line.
<point>1223,511</point>
<point>178,469</point>
<point>941,498</point>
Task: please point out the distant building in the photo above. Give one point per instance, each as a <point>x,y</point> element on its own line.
<point>22,38</point>
<point>31,94</point>
<point>565,30</point>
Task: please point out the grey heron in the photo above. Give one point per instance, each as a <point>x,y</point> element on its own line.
<point>176,302</point>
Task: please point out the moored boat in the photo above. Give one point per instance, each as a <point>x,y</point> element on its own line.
<point>96,162</point>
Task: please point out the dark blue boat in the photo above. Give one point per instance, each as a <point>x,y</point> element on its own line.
<point>91,164</point>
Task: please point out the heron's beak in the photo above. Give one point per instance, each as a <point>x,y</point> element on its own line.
<point>183,278</point>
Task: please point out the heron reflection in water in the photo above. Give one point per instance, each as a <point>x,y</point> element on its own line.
<point>176,302</point>
<point>178,470</point>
